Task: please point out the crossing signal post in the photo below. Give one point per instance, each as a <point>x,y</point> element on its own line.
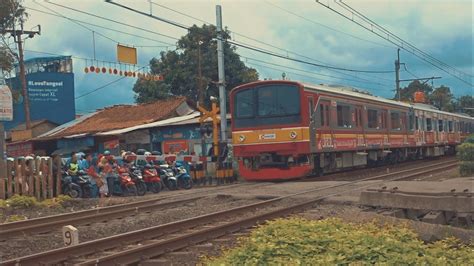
<point>213,114</point>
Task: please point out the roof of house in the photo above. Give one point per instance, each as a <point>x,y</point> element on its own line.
<point>125,116</point>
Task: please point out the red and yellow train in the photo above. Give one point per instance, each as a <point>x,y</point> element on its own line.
<point>286,129</point>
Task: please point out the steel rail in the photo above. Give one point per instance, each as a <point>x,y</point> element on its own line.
<point>91,247</point>
<point>156,248</point>
<point>50,223</point>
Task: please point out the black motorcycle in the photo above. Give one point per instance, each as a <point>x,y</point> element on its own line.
<point>137,177</point>
<point>76,186</point>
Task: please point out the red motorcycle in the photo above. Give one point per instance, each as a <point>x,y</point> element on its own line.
<point>123,184</point>
<point>152,179</point>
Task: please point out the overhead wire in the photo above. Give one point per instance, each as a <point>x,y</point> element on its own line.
<point>267,44</point>
<point>401,45</point>
<point>107,28</point>
<point>324,26</point>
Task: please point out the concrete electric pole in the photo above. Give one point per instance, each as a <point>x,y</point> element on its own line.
<point>220,66</point>
<point>397,74</point>
<point>17,34</point>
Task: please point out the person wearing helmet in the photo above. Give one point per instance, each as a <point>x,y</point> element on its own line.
<point>72,166</point>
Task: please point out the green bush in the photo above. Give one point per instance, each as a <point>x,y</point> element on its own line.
<point>465,151</point>
<point>466,168</point>
<point>298,241</point>
<point>3,204</point>
<point>469,139</point>
<point>19,202</point>
<point>58,202</point>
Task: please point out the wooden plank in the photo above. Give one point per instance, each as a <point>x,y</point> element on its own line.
<point>2,188</point>
<point>44,177</point>
<point>50,178</point>
<point>58,177</point>
<point>10,166</point>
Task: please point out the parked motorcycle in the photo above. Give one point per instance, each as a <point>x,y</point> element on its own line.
<point>152,179</point>
<point>137,178</point>
<point>167,177</point>
<point>184,179</point>
<point>123,183</point>
<point>76,186</point>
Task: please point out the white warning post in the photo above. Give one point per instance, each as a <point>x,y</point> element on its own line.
<point>70,235</point>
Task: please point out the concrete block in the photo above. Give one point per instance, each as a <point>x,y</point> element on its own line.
<point>464,219</point>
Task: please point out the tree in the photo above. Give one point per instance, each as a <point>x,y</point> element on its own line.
<point>442,98</point>
<point>466,104</point>
<point>12,13</point>
<point>180,68</point>
<point>414,86</point>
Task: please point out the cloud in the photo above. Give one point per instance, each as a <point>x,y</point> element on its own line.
<point>441,28</point>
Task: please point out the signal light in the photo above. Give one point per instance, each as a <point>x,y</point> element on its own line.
<point>92,68</point>
<point>97,70</point>
<point>86,69</point>
<point>104,69</point>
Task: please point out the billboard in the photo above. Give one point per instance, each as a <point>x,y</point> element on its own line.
<point>6,104</point>
<point>51,96</point>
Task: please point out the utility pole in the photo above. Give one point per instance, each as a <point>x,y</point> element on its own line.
<point>397,74</point>
<point>201,90</point>
<point>220,66</point>
<point>17,37</point>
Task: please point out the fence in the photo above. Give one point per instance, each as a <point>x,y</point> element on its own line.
<point>31,177</point>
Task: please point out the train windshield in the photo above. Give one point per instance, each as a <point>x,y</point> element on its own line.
<point>267,105</point>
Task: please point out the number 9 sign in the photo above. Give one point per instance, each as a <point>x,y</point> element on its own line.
<point>70,235</point>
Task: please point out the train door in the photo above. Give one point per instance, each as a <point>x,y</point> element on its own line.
<point>359,126</point>
<point>385,127</point>
<point>312,125</point>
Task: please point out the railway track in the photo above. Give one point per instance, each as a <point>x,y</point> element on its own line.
<point>145,244</point>
<point>86,217</point>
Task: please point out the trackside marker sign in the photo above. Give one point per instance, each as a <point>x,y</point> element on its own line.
<point>6,104</point>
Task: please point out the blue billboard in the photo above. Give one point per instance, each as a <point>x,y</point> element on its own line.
<point>51,96</point>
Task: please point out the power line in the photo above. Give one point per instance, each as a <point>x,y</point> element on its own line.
<point>405,67</point>
<point>93,31</point>
<point>310,72</point>
<point>267,44</point>
<point>324,26</point>
<point>392,38</point>
<point>107,28</point>
<point>115,21</point>
<point>306,62</point>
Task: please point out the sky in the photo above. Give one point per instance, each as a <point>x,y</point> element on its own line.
<point>301,29</point>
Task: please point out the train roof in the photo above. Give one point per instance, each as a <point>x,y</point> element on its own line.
<point>363,95</point>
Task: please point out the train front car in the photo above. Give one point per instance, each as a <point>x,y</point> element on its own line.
<point>269,132</point>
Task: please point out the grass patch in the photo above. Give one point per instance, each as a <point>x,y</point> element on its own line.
<point>298,241</point>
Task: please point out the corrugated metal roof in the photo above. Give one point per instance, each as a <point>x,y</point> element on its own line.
<point>166,122</point>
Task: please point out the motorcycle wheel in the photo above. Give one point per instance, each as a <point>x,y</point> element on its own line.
<point>131,191</point>
<point>172,185</point>
<point>187,184</point>
<point>140,188</point>
<point>155,187</point>
<point>74,192</point>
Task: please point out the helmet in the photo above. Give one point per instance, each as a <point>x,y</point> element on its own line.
<point>106,153</point>
<point>155,153</point>
<point>141,152</point>
<point>147,153</point>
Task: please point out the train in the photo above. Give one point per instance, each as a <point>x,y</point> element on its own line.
<point>283,130</point>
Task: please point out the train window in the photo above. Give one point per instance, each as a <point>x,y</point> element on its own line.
<point>244,106</point>
<point>411,121</point>
<point>344,116</point>
<point>450,126</point>
<point>440,125</point>
<point>311,108</point>
<point>417,123</point>
<point>372,119</point>
<point>429,126</point>
<point>324,113</point>
<point>395,121</point>
<point>461,126</point>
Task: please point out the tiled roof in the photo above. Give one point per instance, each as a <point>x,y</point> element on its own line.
<point>123,116</point>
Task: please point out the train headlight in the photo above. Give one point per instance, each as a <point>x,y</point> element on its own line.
<point>293,135</point>
<point>241,138</point>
